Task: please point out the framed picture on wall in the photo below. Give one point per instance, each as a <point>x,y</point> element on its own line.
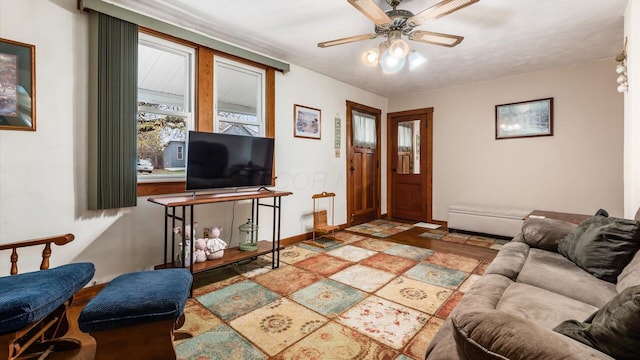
<point>524,119</point>
<point>17,86</point>
<point>306,122</point>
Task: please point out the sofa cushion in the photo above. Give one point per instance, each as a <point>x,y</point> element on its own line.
<point>613,329</point>
<point>497,335</point>
<point>540,306</point>
<point>485,293</point>
<point>603,246</point>
<point>509,260</point>
<point>544,269</point>
<point>630,275</point>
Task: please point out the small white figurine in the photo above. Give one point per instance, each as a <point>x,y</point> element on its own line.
<point>186,238</point>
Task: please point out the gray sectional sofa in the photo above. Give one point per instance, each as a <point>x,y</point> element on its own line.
<point>535,302</point>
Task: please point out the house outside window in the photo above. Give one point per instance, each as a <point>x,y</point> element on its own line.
<point>166,72</point>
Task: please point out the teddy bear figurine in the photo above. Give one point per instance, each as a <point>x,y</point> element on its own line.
<point>215,244</point>
<point>201,251</point>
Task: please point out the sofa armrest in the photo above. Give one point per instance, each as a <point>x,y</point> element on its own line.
<point>544,233</point>
<point>493,334</point>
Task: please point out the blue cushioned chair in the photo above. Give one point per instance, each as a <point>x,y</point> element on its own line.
<point>33,305</point>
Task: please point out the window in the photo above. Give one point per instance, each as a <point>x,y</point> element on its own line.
<point>180,153</point>
<point>239,105</point>
<point>166,72</point>
<point>364,130</point>
<point>173,74</point>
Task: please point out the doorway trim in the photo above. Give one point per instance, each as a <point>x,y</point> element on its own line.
<point>426,143</point>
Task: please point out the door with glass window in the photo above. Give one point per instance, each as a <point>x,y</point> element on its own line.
<point>409,160</point>
<point>363,163</point>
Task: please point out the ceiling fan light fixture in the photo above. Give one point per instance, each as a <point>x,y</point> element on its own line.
<point>390,64</point>
<point>395,52</point>
<point>416,59</point>
<point>399,48</point>
<point>371,57</point>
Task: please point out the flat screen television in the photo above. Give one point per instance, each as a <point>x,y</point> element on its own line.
<point>223,161</point>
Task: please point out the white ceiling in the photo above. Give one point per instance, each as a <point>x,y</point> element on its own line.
<point>502,37</point>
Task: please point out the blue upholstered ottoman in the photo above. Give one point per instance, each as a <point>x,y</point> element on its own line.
<point>135,315</point>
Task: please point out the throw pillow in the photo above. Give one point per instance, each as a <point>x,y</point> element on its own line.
<point>613,329</point>
<point>602,246</point>
<point>496,335</point>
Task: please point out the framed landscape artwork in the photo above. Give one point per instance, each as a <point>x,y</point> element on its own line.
<point>17,86</point>
<point>306,122</point>
<point>524,119</point>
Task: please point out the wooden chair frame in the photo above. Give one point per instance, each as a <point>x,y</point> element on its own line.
<point>43,336</point>
<point>321,224</point>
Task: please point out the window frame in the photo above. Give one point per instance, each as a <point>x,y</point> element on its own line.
<point>260,73</point>
<point>188,51</point>
<point>179,152</point>
<point>204,102</point>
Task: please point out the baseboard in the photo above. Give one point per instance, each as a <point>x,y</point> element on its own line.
<point>292,240</point>
<point>475,233</point>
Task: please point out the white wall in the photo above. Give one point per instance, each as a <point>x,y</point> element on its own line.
<point>43,174</point>
<point>578,169</point>
<point>632,112</point>
<point>309,166</point>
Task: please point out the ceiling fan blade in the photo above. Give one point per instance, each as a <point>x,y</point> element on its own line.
<point>435,38</point>
<point>440,9</point>
<point>347,40</point>
<point>371,10</point>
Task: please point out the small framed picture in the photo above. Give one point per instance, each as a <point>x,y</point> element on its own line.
<point>306,122</point>
<point>524,119</point>
<point>17,86</point>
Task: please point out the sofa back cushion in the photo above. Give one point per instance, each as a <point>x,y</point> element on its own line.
<point>630,275</point>
<point>602,246</point>
<point>545,233</point>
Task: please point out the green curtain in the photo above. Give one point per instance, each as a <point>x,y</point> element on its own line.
<point>113,108</point>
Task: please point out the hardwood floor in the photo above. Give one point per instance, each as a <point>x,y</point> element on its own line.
<point>409,237</point>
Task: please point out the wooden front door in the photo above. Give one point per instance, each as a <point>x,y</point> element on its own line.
<point>409,159</point>
<point>363,168</point>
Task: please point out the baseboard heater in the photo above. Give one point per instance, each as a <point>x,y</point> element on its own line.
<point>484,219</point>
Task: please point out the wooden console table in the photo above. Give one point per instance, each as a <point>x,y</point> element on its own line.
<point>231,255</point>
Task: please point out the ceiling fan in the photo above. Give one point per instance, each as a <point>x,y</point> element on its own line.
<point>403,21</point>
<point>395,23</point>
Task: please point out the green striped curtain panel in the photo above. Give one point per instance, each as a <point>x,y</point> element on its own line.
<point>113,111</point>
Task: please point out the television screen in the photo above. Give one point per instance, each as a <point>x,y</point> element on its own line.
<point>217,160</point>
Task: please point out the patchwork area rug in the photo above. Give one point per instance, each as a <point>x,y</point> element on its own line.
<point>466,239</point>
<point>380,228</point>
<point>364,298</point>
